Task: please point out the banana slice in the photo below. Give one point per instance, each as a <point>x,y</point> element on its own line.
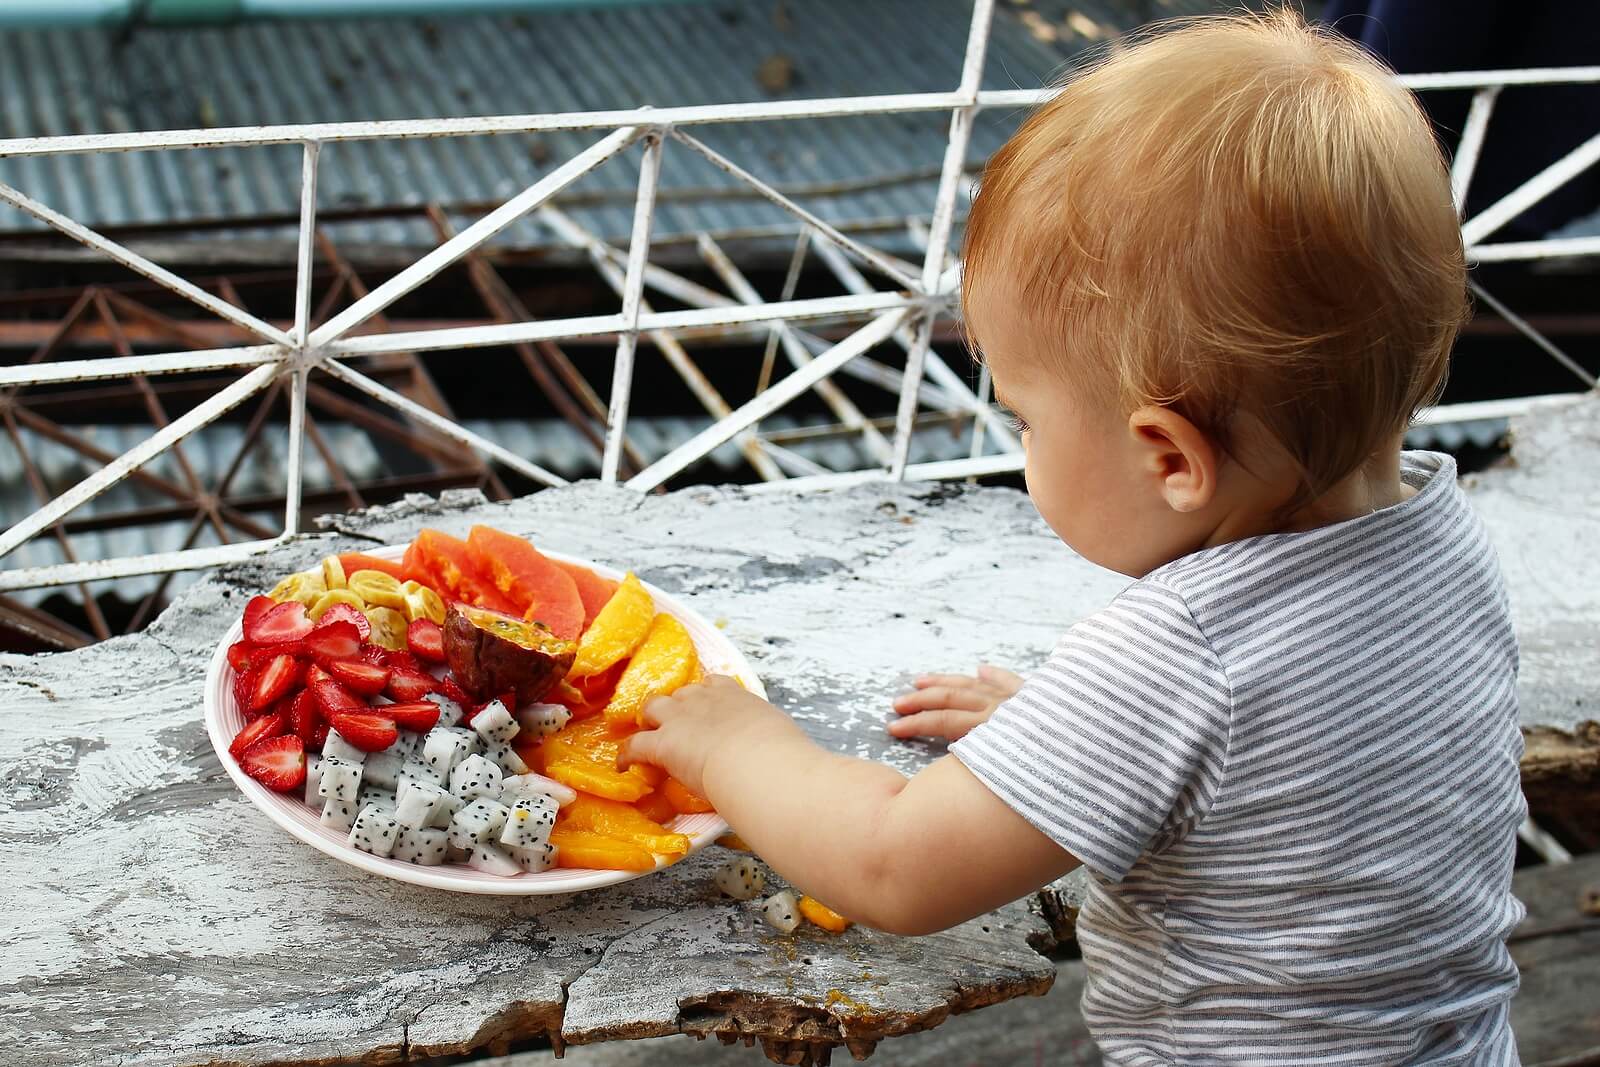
<point>332,597</point>
<point>304,587</point>
<point>378,589</point>
<point>422,602</point>
<point>388,628</point>
<point>333,573</point>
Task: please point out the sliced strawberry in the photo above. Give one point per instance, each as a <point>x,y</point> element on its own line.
<point>315,674</point>
<point>305,718</point>
<point>279,625</point>
<point>365,678</point>
<point>279,763</point>
<point>332,641</point>
<point>452,689</point>
<point>264,727</point>
<point>258,606</point>
<point>277,676</point>
<point>244,683</point>
<point>419,715</point>
<point>368,732</point>
<point>396,659</point>
<point>425,638</point>
<point>346,613</point>
<point>406,686</point>
<point>239,655</point>
<point>334,699</point>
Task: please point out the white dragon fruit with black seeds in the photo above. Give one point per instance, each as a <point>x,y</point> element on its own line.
<point>446,746</point>
<point>383,769</point>
<point>374,795</point>
<point>374,831</point>
<point>529,822</point>
<point>313,780</point>
<point>506,758</point>
<point>495,724</point>
<point>446,811</point>
<point>339,779</point>
<point>475,777</point>
<point>491,859</point>
<point>518,786</point>
<point>450,713</point>
<point>424,847</point>
<point>782,911</point>
<point>543,718</point>
<point>417,806</point>
<point>338,748</point>
<point>338,814</point>
<point>477,823</point>
<point>407,745</point>
<point>741,878</point>
<point>415,770</point>
<point>535,859</point>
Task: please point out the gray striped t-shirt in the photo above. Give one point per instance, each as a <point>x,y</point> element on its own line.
<point>1290,764</point>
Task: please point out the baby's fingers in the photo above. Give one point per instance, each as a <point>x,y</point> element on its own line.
<point>953,681</point>
<point>947,723</point>
<point>943,696</point>
<point>999,676</point>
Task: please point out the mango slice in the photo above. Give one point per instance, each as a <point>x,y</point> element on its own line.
<point>823,916</point>
<point>665,663</point>
<point>587,777</point>
<point>582,848</point>
<point>683,802</point>
<point>618,631</point>
<point>623,821</point>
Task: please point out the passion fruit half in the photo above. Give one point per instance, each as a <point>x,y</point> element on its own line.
<point>490,653</point>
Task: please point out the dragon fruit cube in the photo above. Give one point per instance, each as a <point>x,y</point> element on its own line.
<point>446,811</point>
<point>375,796</point>
<point>495,724</point>
<point>338,748</point>
<point>475,777</point>
<point>505,757</point>
<point>535,859</point>
<point>313,780</point>
<point>491,859</point>
<point>446,746</point>
<point>536,785</point>
<point>782,911</point>
<point>339,779</point>
<point>543,718</point>
<point>741,878</point>
<point>450,713</point>
<point>338,814</point>
<point>415,770</point>
<point>418,805</point>
<point>529,822</point>
<point>477,823</point>
<point>424,847</point>
<point>374,831</point>
<point>383,769</point>
<point>407,745</point>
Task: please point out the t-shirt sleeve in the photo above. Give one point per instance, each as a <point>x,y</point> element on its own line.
<point>1116,746</point>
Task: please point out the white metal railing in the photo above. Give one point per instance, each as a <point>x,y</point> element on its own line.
<point>903,313</point>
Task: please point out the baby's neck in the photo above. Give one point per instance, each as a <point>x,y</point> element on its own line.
<point>1375,485</point>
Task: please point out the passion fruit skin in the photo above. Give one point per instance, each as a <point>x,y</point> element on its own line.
<point>490,654</point>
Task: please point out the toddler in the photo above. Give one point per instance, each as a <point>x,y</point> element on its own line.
<point>1214,277</point>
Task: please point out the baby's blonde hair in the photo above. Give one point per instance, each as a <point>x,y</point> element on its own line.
<point>1230,215</point>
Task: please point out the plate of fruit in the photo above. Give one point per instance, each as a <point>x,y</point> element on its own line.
<point>448,712</point>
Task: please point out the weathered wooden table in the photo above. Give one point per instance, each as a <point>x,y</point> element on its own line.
<point>152,916</point>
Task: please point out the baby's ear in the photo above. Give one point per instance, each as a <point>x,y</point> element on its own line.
<point>1177,454</point>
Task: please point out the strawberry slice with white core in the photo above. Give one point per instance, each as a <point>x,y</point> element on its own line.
<point>425,638</point>
<point>419,715</point>
<point>368,732</point>
<point>407,686</point>
<point>335,699</point>
<point>277,676</point>
<point>359,676</point>
<point>305,720</point>
<point>330,642</point>
<point>279,763</point>
<point>259,730</point>
<point>257,607</point>
<point>240,654</point>
<point>347,613</point>
<point>279,624</point>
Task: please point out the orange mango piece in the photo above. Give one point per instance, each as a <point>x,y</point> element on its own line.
<point>823,916</point>
<point>623,821</point>
<point>656,807</point>
<point>587,777</point>
<point>665,663</point>
<point>684,802</point>
<point>581,848</point>
<point>622,626</point>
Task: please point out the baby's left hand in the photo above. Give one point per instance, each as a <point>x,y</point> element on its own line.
<point>684,729</point>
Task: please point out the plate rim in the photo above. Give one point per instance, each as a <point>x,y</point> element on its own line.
<point>525,884</point>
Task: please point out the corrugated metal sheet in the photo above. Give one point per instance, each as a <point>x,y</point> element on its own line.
<point>81,80</point>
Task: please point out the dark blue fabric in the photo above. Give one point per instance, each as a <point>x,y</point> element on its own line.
<point>1531,127</point>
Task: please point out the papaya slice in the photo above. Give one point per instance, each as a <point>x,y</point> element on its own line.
<point>621,820</point>
<point>593,590</point>
<point>663,664</point>
<point>540,590</point>
<point>683,802</point>
<point>619,630</point>
<point>582,848</point>
<point>360,561</point>
<point>444,564</point>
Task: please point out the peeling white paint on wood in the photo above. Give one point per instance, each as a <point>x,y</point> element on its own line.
<point>154,917</point>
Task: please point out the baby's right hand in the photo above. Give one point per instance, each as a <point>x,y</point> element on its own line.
<point>948,705</point>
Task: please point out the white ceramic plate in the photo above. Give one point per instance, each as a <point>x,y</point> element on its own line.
<point>224,720</point>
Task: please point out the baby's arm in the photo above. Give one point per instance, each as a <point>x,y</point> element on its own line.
<point>910,856</point>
